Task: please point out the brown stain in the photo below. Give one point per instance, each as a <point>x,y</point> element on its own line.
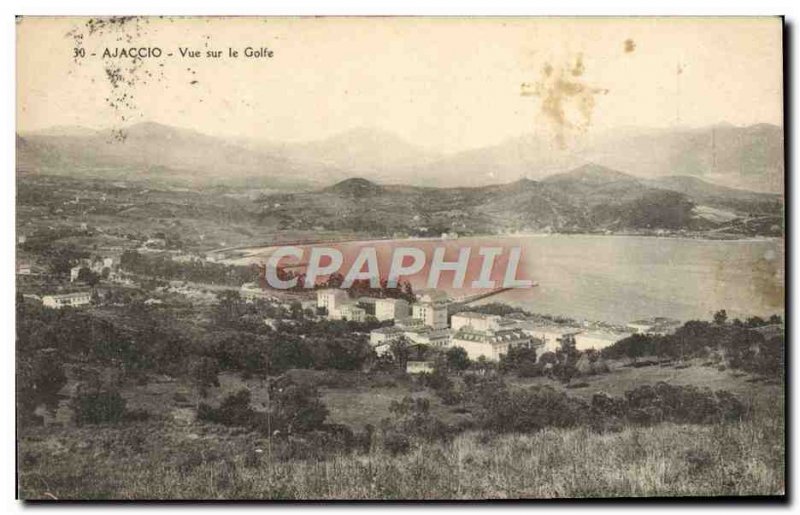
<point>768,281</point>
<point>562,90</point>
<point>629,45</point>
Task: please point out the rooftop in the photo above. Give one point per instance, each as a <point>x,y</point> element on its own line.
<point>74,295</point>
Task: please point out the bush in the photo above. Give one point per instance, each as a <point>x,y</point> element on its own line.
<point>98,407</point>
<point>530,410</point>
<point>396,443</point>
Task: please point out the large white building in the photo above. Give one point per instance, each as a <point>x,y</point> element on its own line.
<point>58,301</point>
<point>490,344</point>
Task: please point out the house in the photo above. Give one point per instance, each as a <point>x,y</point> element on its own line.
<point>426,335</point>
<point>350,310</point>
<point>431,308</point>
<point>24,269</point>
<point>477,321</point>
<point>331,299</point>
<point>74,272</point>
<point>655,325</point>
<point>490,343</point>
<point>384,334</point>
<point>551,336</point>
<point>391,309</point>
<point>58,301</point>
<point>419,367</point>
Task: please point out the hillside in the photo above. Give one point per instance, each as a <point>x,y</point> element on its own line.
<point>590,198</point>
<point>158,153</point>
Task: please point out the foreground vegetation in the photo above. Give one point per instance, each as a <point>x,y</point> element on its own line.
<point>170,461</point>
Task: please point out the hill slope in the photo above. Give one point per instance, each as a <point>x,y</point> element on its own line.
<point>588,199</point>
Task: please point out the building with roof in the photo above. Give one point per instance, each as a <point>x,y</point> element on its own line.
<point>490,344</point>
<point>419,367</point>
<point>655,325</point>
<point>391,309</point>
<point>551,336</point>
<point>349,310</point>
<point>331,299</point>
<point>58,301</point>
<point>431,308</point>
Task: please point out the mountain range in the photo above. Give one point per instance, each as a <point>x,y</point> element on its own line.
<point>737,157</point>
<point>590,198</point>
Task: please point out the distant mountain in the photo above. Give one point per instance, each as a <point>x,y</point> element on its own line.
<point>161,153</point>
<point>589,198</point>
<point>748,158</point>
<point>741,157</point>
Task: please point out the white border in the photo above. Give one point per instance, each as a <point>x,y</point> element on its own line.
<point>788,8</point>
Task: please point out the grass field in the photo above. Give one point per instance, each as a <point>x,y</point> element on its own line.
<point>169,461</point>
<point>169,458</point>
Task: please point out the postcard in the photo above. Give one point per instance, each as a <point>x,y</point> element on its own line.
<point>400,258</point>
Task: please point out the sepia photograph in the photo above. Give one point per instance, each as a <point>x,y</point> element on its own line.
<point>399,258</point>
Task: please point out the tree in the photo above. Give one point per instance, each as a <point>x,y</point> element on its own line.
<point>296,408</point>
<point>85,275</point>
<point>39,380</point>
<point>720,317</point>
<point>457,359</point>
<point>517,358</point>
<point>400,351</point>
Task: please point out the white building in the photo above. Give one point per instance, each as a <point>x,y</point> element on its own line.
<point>384,335</point>
<point>424,335</point>
<point>431,308</point>
<point>391,309</point>
<point>331,299</point>
<point>59,301</point>
<point>477,321</point>
<point>550,335</point>
<point>349,310</point>
<point>597,340</point>
<point>419,367</point>
<point>490,344</point>
<point>656,325</point>
<point>74,272</point>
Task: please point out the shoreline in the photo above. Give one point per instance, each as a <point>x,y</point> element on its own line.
<point>249,251</point>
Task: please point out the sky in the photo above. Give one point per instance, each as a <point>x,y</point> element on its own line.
<point>447,84</point>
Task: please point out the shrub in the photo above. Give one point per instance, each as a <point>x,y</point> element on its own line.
<point>396,443</point>
<point>98,407</point>
<point>530,410</point>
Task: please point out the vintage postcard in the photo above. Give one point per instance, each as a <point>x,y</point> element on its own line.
<point>399,258</point>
